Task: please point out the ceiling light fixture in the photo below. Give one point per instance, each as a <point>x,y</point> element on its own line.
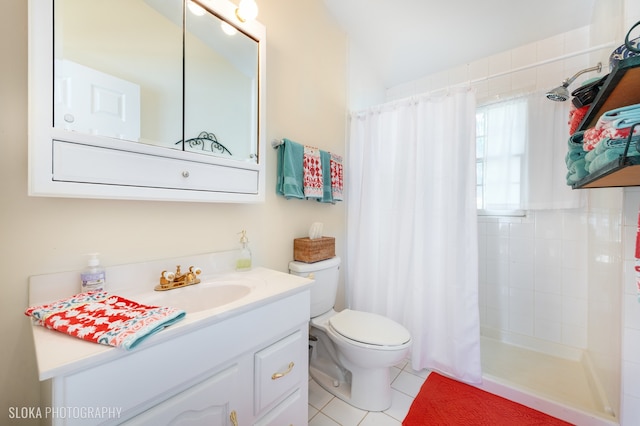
<point>560,93</point>
<point>247,10</point>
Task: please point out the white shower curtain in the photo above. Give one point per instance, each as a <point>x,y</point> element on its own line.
<point>412,226</point>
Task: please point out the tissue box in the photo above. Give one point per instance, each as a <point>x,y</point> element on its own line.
<point>309,251</point>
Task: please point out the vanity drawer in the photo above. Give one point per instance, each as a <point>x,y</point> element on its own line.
<point>75,162</point>
<point>279,368</point>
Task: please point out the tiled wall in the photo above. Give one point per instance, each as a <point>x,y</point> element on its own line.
<point>604,263</point>
<point>533,287</point>
<point>631,312</point>
<point>524,67</point>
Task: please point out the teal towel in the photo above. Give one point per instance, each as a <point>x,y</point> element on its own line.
<point>575,151</point>
<point>575,140</point>
<point>289,180</point>
<point>608,150</point>
<point>327,193</point>
<point>625,111</point>
<point>573,156</point>
<point>603,159</point>
<point>576,172</point>
<point>619,143</point>
<point>626,122</point>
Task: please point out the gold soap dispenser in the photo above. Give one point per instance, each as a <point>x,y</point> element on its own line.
<point>244,257</point>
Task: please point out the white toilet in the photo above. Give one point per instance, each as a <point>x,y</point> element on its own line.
<point>351,351</point>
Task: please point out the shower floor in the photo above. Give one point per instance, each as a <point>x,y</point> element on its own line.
<point>561,380</point>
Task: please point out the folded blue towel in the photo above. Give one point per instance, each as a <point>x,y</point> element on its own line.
<point>290,169</point>
<point>574,155</point>
<point>327,193</point>
<point>591,155</point>
<point>575,151</point>
<point>617,143</point>
<point>625,122</point>
<point>625,111</point>
<point>576,171</point>
<point>608,156</point>
<point>575,140</point>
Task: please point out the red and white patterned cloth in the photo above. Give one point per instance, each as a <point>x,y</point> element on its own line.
<point>602,131</point>
<point>336,177</point>
<point>100,317</point>
<point>312,173</point>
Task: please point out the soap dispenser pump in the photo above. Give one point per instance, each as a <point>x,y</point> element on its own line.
<point>93,276</point>
<point>244,258</point>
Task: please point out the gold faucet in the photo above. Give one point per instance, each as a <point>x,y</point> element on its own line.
<point>171,280</point>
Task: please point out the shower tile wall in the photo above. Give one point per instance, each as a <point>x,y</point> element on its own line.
<point>533,286</point>
<point>631,312</point>
<point>509,70</point>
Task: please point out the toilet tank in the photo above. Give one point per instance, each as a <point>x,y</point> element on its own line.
<point>325,288</point>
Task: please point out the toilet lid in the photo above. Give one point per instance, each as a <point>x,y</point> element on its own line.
<point>369,328</point>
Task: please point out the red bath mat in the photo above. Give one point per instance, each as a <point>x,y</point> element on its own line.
<point>443,401</point>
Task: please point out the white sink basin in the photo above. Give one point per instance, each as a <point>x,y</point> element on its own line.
<point>200,297</point>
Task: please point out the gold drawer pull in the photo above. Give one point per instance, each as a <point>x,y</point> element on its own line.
<point>279,375</point>
<point>234,418</point>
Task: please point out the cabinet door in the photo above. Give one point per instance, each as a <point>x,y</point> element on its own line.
<point>211,402</point>
<point>293,411</point>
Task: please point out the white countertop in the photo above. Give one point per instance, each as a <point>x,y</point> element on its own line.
<point>59,354</point>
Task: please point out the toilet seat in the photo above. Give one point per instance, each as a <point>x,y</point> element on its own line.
<point>369,328</point>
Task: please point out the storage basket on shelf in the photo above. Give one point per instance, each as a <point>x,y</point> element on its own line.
<point>314,250</point>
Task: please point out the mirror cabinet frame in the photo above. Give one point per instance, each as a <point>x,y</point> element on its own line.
<point>63,163</point>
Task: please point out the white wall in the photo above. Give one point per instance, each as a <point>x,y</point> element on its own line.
<point>630,413</point>
<point>365,87</point>
<point>604,267</point>
<point>630,312</point>
<point>306,101</point>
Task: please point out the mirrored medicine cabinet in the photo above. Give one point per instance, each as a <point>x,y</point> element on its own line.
<point>146,100</point>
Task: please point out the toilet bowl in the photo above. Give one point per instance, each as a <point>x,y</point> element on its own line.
<point>351,351</point>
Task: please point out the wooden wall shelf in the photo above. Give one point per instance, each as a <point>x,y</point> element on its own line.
<point>621,88</point>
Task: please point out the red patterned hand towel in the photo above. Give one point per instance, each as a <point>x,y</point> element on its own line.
<point>100,317</point>
<point>312,172</point>
<point>336,177</point>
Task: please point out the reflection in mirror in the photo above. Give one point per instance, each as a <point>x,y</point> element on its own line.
<point>119,73</point>
<point>118,70</point>
<point>224,107</point>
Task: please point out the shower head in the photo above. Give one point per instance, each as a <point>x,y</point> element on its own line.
<point>561,93</point>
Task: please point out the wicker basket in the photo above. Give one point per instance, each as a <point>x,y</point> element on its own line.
<point>309,251</point>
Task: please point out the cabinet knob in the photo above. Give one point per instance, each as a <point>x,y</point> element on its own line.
<point>185,174</point>
<point>276,376</point>
<point>234,418</point>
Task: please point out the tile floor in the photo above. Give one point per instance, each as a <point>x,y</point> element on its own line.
<point>327,410</point>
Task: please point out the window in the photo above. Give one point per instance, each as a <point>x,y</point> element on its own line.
<point>501,134</point>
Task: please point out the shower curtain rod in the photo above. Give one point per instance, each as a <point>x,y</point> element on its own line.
<point>546,61</point>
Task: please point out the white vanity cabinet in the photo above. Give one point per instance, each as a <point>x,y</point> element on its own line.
<point>213,402</point>
<point>250,368</point>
